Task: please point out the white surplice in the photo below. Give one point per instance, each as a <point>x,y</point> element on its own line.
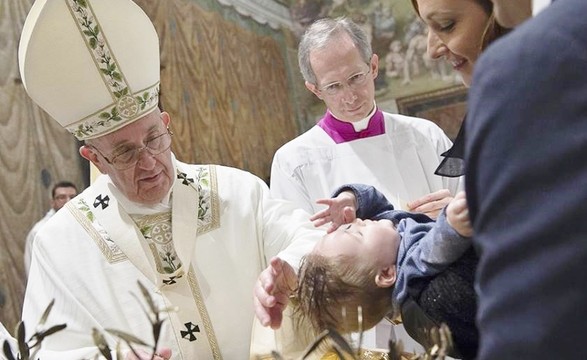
<point>30,238</point>
<point>92,253</point>
<point>399,163</point>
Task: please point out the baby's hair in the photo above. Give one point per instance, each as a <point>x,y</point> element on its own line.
<point>329,287</point>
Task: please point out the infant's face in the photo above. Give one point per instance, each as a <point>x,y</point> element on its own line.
<point>375,241</point>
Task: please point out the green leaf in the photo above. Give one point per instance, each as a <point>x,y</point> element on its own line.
<point>104,115</point>
<point>315,344</point>
<point>82,3</point>
<point>88,33</point>
<point>8,351</point>
<point>339,344</point>
<point>148,298</point>
<point>157,330</point>
<point>101,343</point>
<point>93,43</point>
<point>116,76</point>
<point>127,337</point>
<point>23,347</point>
<point>52,330</point>
<point>340,341</point>
<point>96,30</point>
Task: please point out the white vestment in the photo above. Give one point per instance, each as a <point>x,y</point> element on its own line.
<point>91,254</point>
<point>30,238</point>
<point>399,163</point>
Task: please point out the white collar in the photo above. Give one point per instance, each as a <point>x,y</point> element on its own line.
<point>364,123</point>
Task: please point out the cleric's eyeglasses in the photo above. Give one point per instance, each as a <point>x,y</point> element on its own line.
<point>354,82</point>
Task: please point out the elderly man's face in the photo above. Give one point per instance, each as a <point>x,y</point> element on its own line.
<point>511,13</point>
<point>149,180</point>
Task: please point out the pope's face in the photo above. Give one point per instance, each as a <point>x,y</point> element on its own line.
<point>511,13</point>
<point>149,180</point>
<point>338,64</point>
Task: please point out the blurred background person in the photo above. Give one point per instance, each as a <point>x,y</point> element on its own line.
<point>61,193</point>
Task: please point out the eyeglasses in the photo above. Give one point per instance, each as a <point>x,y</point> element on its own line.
<point>130,158</point>
<point>353,82</point>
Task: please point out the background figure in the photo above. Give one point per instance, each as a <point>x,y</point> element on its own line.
<point>195,236</point>
<point>338,66</point>
<point>395,60</point>
<point>527,193</point>
<point>61,193</point>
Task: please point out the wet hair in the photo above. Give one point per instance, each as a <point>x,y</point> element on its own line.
<point>321,32</point>
<point>62,184</point>
<point>492,31</point>
<point>331,290</point>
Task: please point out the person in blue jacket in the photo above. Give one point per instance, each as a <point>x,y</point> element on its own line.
<point>526,181</point>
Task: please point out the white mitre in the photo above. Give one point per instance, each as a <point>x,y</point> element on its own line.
<point>93,65</point>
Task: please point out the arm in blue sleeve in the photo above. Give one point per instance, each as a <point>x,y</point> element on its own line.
<point>370,202</point>
<point>426,250</point>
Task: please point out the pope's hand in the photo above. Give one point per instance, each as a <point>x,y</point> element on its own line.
<point>272,291</point>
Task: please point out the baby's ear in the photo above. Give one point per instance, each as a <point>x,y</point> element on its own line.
<point>386,277</point>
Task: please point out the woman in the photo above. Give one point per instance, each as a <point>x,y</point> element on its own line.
<point>458,31</point>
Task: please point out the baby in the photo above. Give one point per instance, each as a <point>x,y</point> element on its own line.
<point>372,263</point>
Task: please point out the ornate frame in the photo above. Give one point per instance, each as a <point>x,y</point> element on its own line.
<point>446,107</point>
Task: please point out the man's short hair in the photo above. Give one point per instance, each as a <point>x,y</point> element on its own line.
<point>62,184</point>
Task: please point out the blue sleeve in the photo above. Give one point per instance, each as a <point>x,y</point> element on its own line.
<point>370,202</point>
<point>426,250</point>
